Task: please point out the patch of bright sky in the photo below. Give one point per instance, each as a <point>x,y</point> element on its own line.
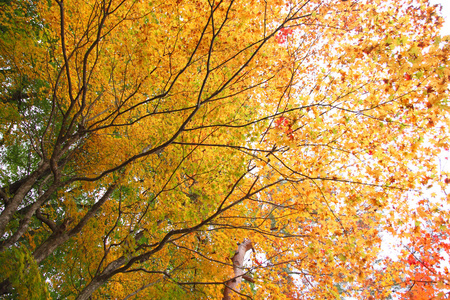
<point>446,13</point>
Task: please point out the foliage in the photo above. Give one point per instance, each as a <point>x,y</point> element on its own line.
<point>141,141</point>
<point>23,274</point>
<point>426,270</point>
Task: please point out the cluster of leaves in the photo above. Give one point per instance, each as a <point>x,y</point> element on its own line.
<point>141,141</point>
<point>425,257</point>
<point>22,272</point>
<point>283,34</point>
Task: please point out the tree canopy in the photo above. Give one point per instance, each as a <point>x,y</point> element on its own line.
<point>258,149</point>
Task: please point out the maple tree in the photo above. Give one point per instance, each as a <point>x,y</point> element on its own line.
<point>147,146</point>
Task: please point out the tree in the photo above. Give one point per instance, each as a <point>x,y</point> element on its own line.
<point>142,141</point>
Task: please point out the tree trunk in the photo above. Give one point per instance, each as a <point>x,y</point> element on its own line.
<point>48,246</point>
<point>13,204</point>
<point>90,288</point>
<point>238,262</point>
<point>100,279</point>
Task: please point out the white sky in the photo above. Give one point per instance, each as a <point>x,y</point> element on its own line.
<point>446,12</point>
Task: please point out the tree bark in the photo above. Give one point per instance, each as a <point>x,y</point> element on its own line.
<point>61,235</point>
<point>13,204</point>
<point>238,262</point>
<point>90,288</point>
<point>100,279</point>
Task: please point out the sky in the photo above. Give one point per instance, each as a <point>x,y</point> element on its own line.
<point>446,13</point>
